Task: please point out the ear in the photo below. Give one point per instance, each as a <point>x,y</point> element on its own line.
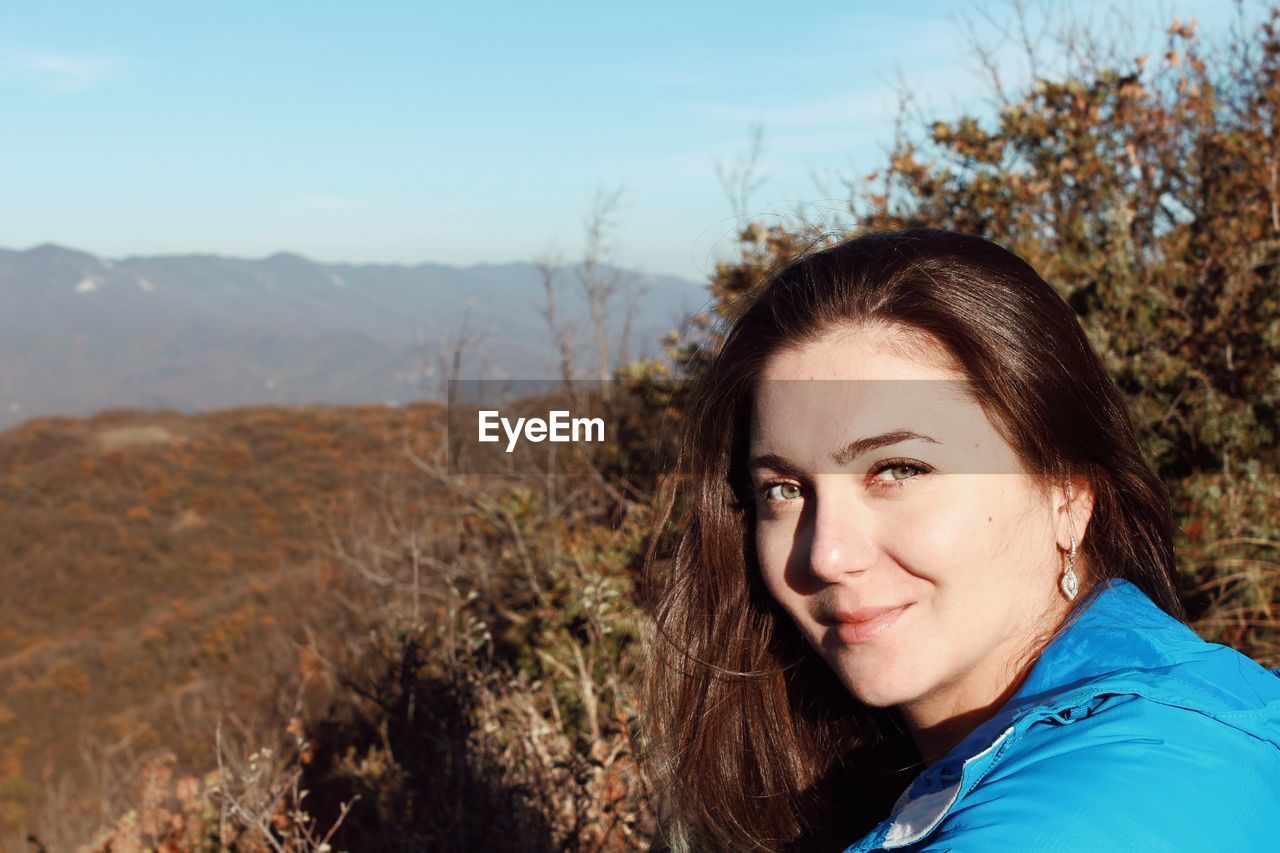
<point>1072,509</point>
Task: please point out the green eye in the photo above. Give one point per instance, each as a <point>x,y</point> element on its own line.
<point>899,470</point>
<point>782,492</point>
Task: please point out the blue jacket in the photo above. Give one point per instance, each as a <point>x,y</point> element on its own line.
<point>1129,733</point>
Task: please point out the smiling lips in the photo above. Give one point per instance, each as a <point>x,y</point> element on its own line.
<point>855,626</point>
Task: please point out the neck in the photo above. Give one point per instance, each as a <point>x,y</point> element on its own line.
<point>935,735</point>
<point>941,719</point>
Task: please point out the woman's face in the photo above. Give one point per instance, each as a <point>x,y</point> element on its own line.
<point>896,526</point>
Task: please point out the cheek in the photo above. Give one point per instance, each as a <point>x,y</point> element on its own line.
<point>775,542</point>
<point>772,550</point>
<point>954,535</point>
<point>935,539</point>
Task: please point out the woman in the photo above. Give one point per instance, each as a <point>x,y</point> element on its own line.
<point>924,593</point>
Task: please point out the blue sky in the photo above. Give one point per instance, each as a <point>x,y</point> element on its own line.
<point>450,132</point>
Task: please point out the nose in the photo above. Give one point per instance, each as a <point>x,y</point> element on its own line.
<point>841,542</point>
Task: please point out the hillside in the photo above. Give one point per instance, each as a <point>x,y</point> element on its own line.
<point>163,572</point>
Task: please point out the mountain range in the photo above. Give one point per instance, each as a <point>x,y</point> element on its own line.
<point>81,333</point>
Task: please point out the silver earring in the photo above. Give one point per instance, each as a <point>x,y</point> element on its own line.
<point>1069,583</point>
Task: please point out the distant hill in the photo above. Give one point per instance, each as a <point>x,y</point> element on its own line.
<point>79,333</point>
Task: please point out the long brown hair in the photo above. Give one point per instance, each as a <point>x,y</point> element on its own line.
<point>755,743</point>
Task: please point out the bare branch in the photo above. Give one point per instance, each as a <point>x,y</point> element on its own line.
<point>600,282</point>
<point>548,266</point>
<point>742,178</point>
<point>628,323</point>
<point>455,349</point>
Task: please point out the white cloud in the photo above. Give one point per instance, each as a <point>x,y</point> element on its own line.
<point>58,72</point>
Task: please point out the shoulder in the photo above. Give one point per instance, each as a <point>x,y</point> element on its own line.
<point>1121,772</point>
<point>1129,733</point>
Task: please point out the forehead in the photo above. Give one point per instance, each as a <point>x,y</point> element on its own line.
<point>871,352</point>
<point>854,382</point>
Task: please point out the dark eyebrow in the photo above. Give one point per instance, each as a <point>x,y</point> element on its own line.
<point>874,442</point>
<point>850,452</point>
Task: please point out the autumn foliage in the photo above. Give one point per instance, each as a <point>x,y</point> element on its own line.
<point>433,661</point>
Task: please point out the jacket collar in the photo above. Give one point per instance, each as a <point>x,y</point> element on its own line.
<point>1115,633</point>
<point>1117,629</point>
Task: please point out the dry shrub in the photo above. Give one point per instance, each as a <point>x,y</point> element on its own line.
<point>493,706</point>
<point>251,804</point>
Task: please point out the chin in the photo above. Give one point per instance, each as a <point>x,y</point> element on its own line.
<point>881,698</point>
<point>881,689</point>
